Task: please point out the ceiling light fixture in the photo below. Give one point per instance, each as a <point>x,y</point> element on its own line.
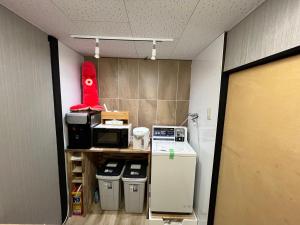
<point>97,38</point>
<point>153,57</point>
<point>97,49</point>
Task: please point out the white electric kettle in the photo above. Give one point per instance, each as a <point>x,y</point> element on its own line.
<point>141,137</point>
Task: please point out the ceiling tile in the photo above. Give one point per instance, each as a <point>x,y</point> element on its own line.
<point>220,13</point>
<point>84,47</point>
<point>123,49</point>
<point>41,13</point>
<point>93,10</point>
<point>101,28</point>
<point>210,19</point>
<point>158,18</point>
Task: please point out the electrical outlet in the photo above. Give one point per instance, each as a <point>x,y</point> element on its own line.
<point>208,113</point>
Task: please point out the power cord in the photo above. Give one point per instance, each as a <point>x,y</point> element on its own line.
<point>194,117</point>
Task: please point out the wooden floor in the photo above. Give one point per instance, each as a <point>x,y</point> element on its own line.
<point>99,217</point>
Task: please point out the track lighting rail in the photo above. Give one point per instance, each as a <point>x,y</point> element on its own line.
<point>121,38</point>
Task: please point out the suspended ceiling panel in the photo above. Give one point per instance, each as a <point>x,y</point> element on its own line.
<point>209,18</point>
<point>93,10</point>
<point>166,18</point>
<point>99,28</point>
<point>193,24</point>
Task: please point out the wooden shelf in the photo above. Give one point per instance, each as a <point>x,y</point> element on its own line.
<point>77,169</point>
<point>77,180</point>
<point>76,158</point>
<point>128,150</point>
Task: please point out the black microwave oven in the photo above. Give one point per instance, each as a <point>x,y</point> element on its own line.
<point>111,136</point>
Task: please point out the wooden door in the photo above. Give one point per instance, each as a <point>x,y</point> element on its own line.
<point>259,178</point>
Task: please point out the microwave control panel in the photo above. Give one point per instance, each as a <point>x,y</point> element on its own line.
<point>169,133</point>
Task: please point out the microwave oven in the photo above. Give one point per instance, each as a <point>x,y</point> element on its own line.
<point>112,136</point>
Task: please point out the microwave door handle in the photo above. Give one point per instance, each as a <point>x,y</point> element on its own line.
<point>119,137</point>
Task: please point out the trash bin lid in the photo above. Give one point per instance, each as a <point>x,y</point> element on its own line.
<point>135,169</point>
<point>111,168</point>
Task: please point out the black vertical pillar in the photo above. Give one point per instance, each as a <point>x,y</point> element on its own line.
<point>58,125</point>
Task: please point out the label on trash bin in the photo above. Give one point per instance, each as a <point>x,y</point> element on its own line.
<point>108,171</point>
<point>133,188</point>
<point>112,165</point>
<point>134,173</point>
<point>135,166</point>
<point>171,154</point>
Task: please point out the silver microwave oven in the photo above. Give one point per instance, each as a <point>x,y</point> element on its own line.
<point>112,136</point>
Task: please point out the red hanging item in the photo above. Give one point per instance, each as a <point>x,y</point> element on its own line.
<point>90,97</point>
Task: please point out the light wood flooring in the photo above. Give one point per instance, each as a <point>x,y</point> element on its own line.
<point>99,217</point>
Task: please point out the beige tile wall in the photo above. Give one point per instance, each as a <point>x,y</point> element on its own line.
<point>154,92</point>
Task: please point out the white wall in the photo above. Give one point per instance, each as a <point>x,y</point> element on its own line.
<point>70,80</point>
<point>204,96</point>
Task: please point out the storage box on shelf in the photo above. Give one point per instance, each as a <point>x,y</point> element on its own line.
<point>121,115</point>
<point>77,205</point>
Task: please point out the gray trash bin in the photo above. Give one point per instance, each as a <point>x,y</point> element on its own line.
<point>109,177</point>
<point>134,178</point>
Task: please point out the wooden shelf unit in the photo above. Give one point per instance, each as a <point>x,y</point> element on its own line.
<point>93,158</point>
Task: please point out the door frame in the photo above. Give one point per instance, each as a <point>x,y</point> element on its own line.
<point>221,119</point>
